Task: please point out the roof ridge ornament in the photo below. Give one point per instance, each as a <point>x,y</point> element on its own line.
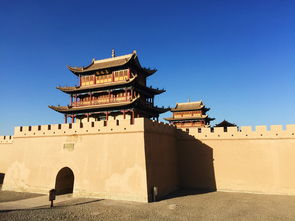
<point>113,53</point>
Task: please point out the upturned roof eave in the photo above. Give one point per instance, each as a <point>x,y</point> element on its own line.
<point>111,63</point>
<point>188,118</point>
<point>69,109</point>
<point>160,110</point>
<point>154,91</point>
<point>108,64</point>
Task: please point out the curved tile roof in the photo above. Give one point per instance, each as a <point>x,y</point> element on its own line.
<point>196,105</point>
<point>110,63</point>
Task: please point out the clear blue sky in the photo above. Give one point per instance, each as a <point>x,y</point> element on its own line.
<point>237,56</point>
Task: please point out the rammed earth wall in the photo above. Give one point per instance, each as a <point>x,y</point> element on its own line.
<point>240,159</point>
<point>119,160</point>
<point>108,161</point>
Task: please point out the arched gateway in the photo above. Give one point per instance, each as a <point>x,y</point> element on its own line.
<point>2,175</point>
<point>64,182</point>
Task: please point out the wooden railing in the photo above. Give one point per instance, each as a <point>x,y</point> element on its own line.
<point>191,124</point>
<point>101,101</point>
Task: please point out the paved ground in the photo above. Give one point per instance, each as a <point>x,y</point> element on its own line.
<point>208,206</point>
<point>33,202</point>
<point>6,196</point>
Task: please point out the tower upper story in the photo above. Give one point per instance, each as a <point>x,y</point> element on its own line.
<point>112,86</point>
<point>112,70</point>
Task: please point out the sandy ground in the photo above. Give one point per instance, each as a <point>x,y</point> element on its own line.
<point>207,206</point>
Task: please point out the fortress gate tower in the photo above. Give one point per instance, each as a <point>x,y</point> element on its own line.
<point>113,87</point>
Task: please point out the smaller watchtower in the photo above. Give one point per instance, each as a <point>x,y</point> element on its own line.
<point>190,114</point>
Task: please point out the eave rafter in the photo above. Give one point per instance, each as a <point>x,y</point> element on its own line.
<point>87,108</point>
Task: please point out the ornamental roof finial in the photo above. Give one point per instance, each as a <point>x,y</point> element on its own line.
<point>113,53</point>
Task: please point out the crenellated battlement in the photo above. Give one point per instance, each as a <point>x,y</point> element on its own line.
<point>151,126</point>
<point>110,126</point>
<point>6,139</point>
<point>95,127</point>
<point>143,124</point>
<point>244,132</point>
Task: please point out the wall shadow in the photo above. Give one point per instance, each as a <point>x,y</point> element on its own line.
<point>185,192</point>
<point>161,164</point>
<point>58,205</point>
<point>196,164</point>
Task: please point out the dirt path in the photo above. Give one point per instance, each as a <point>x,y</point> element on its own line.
<point>208,206</point>
<point>40,201</point>
<point>6,196</point>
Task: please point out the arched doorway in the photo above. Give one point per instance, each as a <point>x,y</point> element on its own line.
<point>64,182</point>
<point>2,175</point>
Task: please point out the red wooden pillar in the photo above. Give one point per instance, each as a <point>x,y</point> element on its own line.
<point>80,80</point>
<point>113,77</point>
<point>73,118</point>
<point>94,80</point>
<point>76,99</point>
<point>126,94</point>
<point>107,115</point>
<point>66,119</point>
<point>90,98</point>
<point>124,114</point>
<point>87,117</point>
<point>71,101</point>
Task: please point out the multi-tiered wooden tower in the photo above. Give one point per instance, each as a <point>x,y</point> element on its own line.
<point>113,87</point>
<point>190,114</point>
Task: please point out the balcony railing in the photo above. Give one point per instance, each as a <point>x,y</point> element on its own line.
<point>196,124</point>
<point>102,101</point>
<point>102,82</point>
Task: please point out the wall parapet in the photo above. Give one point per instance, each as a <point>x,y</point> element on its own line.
<point>95,127</point>
<point>152,126</point>
<point>143,124</point>
<point>6,139</point>
<point>244,132</point>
